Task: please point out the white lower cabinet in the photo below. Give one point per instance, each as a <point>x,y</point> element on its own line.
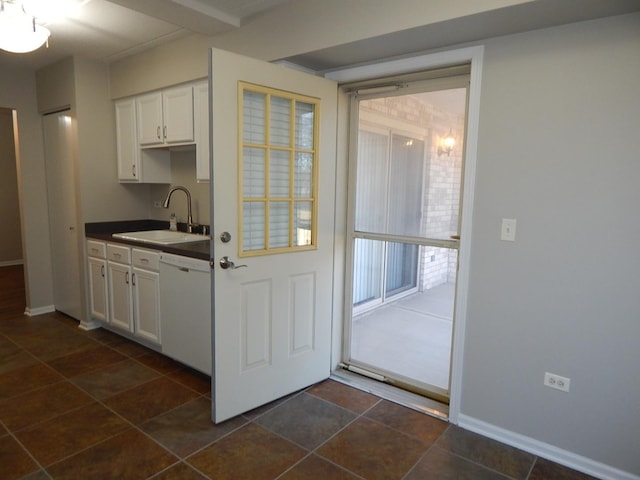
<point>124,288</point>
<point>146,294</point>
<point>119,280</point>
<point>98,291</point>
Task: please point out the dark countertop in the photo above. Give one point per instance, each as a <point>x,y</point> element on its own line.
<point>104,230</point>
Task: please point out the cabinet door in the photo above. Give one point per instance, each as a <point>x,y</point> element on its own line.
<point>98,288</point>
<point>201,127</point>
<point>127,148</point>
<point>120,304</point>
<point>146,299</point>
<point>178,115</point>
<point>149,119</point>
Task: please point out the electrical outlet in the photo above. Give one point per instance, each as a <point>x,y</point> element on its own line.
<point>556,381</point>
<point>157,204</point>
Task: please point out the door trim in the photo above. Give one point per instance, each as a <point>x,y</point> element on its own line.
<point>473,55</point>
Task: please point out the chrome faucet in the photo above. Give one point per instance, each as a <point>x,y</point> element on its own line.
<point>190,223</point>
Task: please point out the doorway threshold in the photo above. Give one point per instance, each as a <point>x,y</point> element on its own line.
<point>393,394</point>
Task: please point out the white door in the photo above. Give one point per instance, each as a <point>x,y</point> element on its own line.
<point>61,197</point>
<point>273,137</point>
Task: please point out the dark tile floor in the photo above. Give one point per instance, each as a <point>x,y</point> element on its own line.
<point>92,405</point>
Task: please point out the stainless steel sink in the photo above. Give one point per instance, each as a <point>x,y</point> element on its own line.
<point>161,237</point>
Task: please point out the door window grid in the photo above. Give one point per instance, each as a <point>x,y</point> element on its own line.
<point>278,170</point>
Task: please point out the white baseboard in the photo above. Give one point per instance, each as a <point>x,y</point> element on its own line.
<point>545,450</point>
<point>11,263</point>
<point>32,312</point>
<point>87,325</point>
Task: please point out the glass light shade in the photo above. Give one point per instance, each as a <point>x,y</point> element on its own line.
<point>449,142</point>
<point>18,32</point>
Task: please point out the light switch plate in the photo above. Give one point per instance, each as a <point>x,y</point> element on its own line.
<point>508,231</point>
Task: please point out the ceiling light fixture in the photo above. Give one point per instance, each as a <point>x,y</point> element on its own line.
<point>19,32</point>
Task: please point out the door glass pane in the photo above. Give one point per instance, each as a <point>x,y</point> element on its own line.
<point>280,120</point>
<point>253,226</point>
<point>253,117</point>
<point>303,219</point>
<point>253,172</point>
<point>278,224</point>
<point>279,174</point>
<point>371,185</point>
<point>304,125</point>
<point>405,186</point>
<point>367,271</point>
<point>303,176</point>
<point>402,268</point>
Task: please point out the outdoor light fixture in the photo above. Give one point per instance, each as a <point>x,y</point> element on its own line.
<point>19,32</point>
<point>447,144</point>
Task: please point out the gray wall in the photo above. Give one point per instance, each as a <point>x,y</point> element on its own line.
<point>558,151</point>
<point>10,240</point>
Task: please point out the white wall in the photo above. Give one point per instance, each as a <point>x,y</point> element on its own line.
<point>102,197</point>
<point>558,151</point>
<point>18,91</point>
<point>183,172</point>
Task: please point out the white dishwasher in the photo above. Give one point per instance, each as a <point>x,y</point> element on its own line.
<point>185,310</point>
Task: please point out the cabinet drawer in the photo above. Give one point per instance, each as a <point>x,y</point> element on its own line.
<point>146,259</point>
<point>118,253</point>
<point>96,249</point>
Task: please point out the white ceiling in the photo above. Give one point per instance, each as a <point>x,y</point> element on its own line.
<point>108,30</point>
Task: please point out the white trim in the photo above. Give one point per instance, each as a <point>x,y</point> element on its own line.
<point>88,325</point>
<point>32,312</point>
<point>407,65</point>
<point>11,263</point>
<point>423,62</point>
<point>544,450</point>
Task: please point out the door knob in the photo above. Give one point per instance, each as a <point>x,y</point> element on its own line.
<point>227,264</point>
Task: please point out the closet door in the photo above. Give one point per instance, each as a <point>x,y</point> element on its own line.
<point>61,196</point>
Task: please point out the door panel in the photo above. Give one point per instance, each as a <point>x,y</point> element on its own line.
<point>61,196</point>
<point>272,328</point>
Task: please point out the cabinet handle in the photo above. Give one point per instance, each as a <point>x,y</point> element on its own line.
<point>158,132</point>
<point>126,278</point>
<point>164,131</point>
<point>133,170</point>
<point>102,270</point>
<point>133,279</point>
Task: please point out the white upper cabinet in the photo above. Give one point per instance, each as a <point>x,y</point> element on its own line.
<point>201,127</point>
<point>136,165</point>
<point>127,148</point>
<point>165,117</point>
